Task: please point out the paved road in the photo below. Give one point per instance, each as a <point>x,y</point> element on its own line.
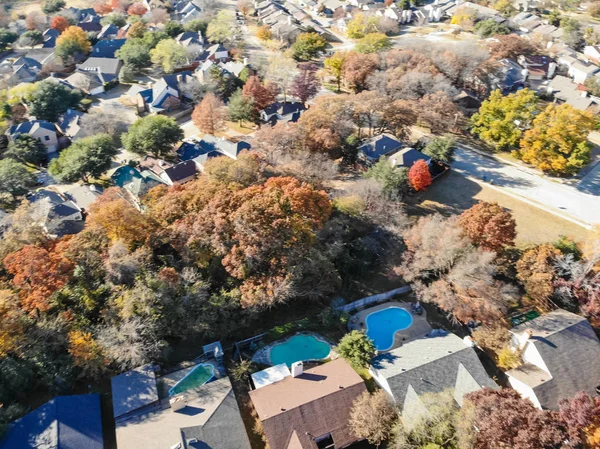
<point>571,202</point>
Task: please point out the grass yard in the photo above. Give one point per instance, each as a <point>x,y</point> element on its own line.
<point>454,193</point>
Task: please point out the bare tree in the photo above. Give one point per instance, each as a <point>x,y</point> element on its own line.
<point>372,417</point>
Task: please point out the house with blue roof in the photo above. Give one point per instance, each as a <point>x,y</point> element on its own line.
<point>107,48</point>
<point>282,112</point>
<point>42,130</point>
<point>209,147</point>
<point>65,422</point>
<point>165,95</point>
<point>378,146</point>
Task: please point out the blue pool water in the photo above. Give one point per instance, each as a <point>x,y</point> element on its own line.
<point>299,347</point>
<point>383,325</point>
<point>194,379</point>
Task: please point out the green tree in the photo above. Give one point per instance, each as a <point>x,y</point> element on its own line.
<point>27,149</point>
<point>7,37</point>
<point>441,149</point>
<point>223,83</point>
<point>393,180</point>
<point>356,348</point>
<point>85,158</point>
<point>115,18</point>
<point>31,38</point>
<point>154,134</point>
<point>173,28</point>
<point>222,28</point>
<point>308,46</point>
<point>489,28</point>
<point>403,4</point>
<point>501,119</point>
<point>572,33</point>
<point>50,99</point>
<point>15,179</point>
<point>134,54</point>
<point>554,17</point>
<point>197,25</point>
<point>52,6</point>
<point>373,43</point>
<point>241,108</point>
<point>168,54</point>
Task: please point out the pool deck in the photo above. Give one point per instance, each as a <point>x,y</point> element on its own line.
<point>419,326</point>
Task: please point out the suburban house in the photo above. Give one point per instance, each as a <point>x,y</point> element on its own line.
<point>153,412</point>
<point>83,196</point>
<point>27,67</point>
<point>135,182</point>
<point>56,213</point>
<point>164,96</point>
<point>431,364</point>
<point>49,37</point>
<point>511,76</point>
<point>42,130</point>
<point>580,71</point>
<point>108,31</point>
<point>106,70</point>
<point>63,422</point>
<point>69,124</point>
<point>185,11</point>
<point>592,52</point>
<point>538,67</point>
<point>561,356</point>
<point>153,4</point>
<point>282,112</point>
<point>90,27</point>
<point>566,91</point>
<point>208,147</point>
<point>188,38</point>
<point>179,173</point>
<point>406,157</point>
<point>377,146</point>
<point>309,409</point>
<point>107,48</point>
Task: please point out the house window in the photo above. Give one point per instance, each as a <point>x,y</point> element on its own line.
<point>325,442</point>
<point>46,138</point>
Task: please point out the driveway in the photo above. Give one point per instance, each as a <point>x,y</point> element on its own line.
<point>567,201</point>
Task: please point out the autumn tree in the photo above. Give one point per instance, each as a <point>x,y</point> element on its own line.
<point>419,176</point>
<point>306,84</point>
<point>154,134</point>
<point>501,119</point>
<point>557,141</point>
<point>308,46</point>
<point>511,46</point>
<point>535,269</point>
<point>38,273</point>
<point>372,417</point>
<point>72,43</point>
<point>360,25</point>
<point>581,413</point>
<point>210,115</point>
<point>137,9</point>
<point>281,72</point>
<point>357,349</point>
<point>262,95</point>
<point>504,419</point>
<point>356,68</point>
<point>264,33</point>
<point>245,7</point>
<point>334,67</point>
<point>137,30</point>
<point>87,354</point>
<point>373,43</point>
<point>489,226</point>
<point>59,23</point>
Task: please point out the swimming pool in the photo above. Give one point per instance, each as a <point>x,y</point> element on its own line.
<point>383,325</point>
<point>297,348</point>
<point>194,379</point>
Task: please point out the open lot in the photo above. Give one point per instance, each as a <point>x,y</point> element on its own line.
<point>454,193</point>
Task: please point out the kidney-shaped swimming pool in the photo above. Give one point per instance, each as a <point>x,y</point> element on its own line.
<point>383,325</point>
<point>299,348</point>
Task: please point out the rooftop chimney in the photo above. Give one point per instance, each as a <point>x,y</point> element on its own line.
<point>297,369</point>
<point>177,403</point>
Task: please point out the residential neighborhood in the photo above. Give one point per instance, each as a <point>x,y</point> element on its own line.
<point>299,224</point>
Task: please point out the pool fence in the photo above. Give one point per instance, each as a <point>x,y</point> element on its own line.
<point>369,300</point>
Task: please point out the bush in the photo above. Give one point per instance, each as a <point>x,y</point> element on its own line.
<point>508,358</point>
<point>356,348</point>
<point>350,205</point>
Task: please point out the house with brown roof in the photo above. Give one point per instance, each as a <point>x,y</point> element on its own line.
<point>310,409</point>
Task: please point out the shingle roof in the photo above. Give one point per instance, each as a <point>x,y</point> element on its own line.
<point>31,126</point>
<point>181,171</point>
<point>107,48</point>
<point>104,66</point>
<point>133,390</point>
<point>65,422</point>
<point>407,157</point>
<point>380,145</point>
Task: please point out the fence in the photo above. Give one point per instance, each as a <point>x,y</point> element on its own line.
<point>360,303</point>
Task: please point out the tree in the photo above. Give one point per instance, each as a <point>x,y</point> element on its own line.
<point>360,25</point>
<point>441,149</point>
<point>117,19</point>
<point>557,141</point>
<point>489,28</point>
<point>501,119</point>
<point>535,269</point>
<point>137,9</point>
<point>210,115</point>
<point>464,17</point>
<point>594,9</point>
<point>262,95</point>
<point>308,46</point>
<point>393,180</point>
<point>572,34</point>
<point>36,20</point>
<point>245,7</point>
<point>27,149</point>
<point>168,54</point>
<point>50,99</point>
<point>197,25</point>
<point>511,46</point>
<point>105,121</point>
<point>85,158</point>
<point>31,38</point>
<point>73,42</point>
<point>222,83</point>
<point>419,176</point>
<point>281,72</point>
<point>264,33</point>
<point>334,67</point>
<point>173,28</point>
<point>7,37</point>
<point>357,67</point>
<point>242,108</point>
<point>154,135</point>
<point>59,23</point>
<point>581,413</point>
<point>489,226</point>
<point>87,354</point>
<point>306,84</point>
<point>356,348</point>
<point>136,31</point>
<point>52,6</point>
<point>15,179</point>
<point>372,417</point>
<point>373,43</point>
<point>504,419</point>
<point>222,29</point>
<point>135,53</point>
<point>38,273</point>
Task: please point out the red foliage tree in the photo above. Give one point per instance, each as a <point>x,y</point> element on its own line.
<point>59,23</point>
<point>137,9</point>
<point>489,226</point>
<point>504,419</point>
<point>38,273</point>
<point>581,413</point>
<point>103,8</point>
<point>419,176</point>
<point>306,83</point>
<point>263,95</point>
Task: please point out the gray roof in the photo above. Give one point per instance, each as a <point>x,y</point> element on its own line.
<point>380,145</point>
<point>84,196</point>
<point>431,365</point>
<point>569,348</point>
<point>133,390</point>
<point>565,89</point>
<point>105,66</point>
<point>406,157</point>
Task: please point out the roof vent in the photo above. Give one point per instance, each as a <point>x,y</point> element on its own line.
<point>341,387</point>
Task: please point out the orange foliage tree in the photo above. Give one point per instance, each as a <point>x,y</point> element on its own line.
<point>87,353</point>
<point>489,226</point>
<point>38,273</point>
<point>210,115</point>
<point>137,9</point>
<point>262,95</point>
<point>419,176</point>
<point>59,23</point>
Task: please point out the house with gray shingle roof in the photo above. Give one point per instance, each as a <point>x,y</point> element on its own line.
<point>561,356</point>
<point>42,130</point>
<point>430,364</point>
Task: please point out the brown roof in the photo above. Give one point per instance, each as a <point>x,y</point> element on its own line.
<point>296,410</point>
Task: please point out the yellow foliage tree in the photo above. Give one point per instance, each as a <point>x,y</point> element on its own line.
<point>264,33</point>
<point>87,353</point>
<point>71,42</point>
<point>557,142</point>
<point>464,17</point>
<point>361,25</point>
